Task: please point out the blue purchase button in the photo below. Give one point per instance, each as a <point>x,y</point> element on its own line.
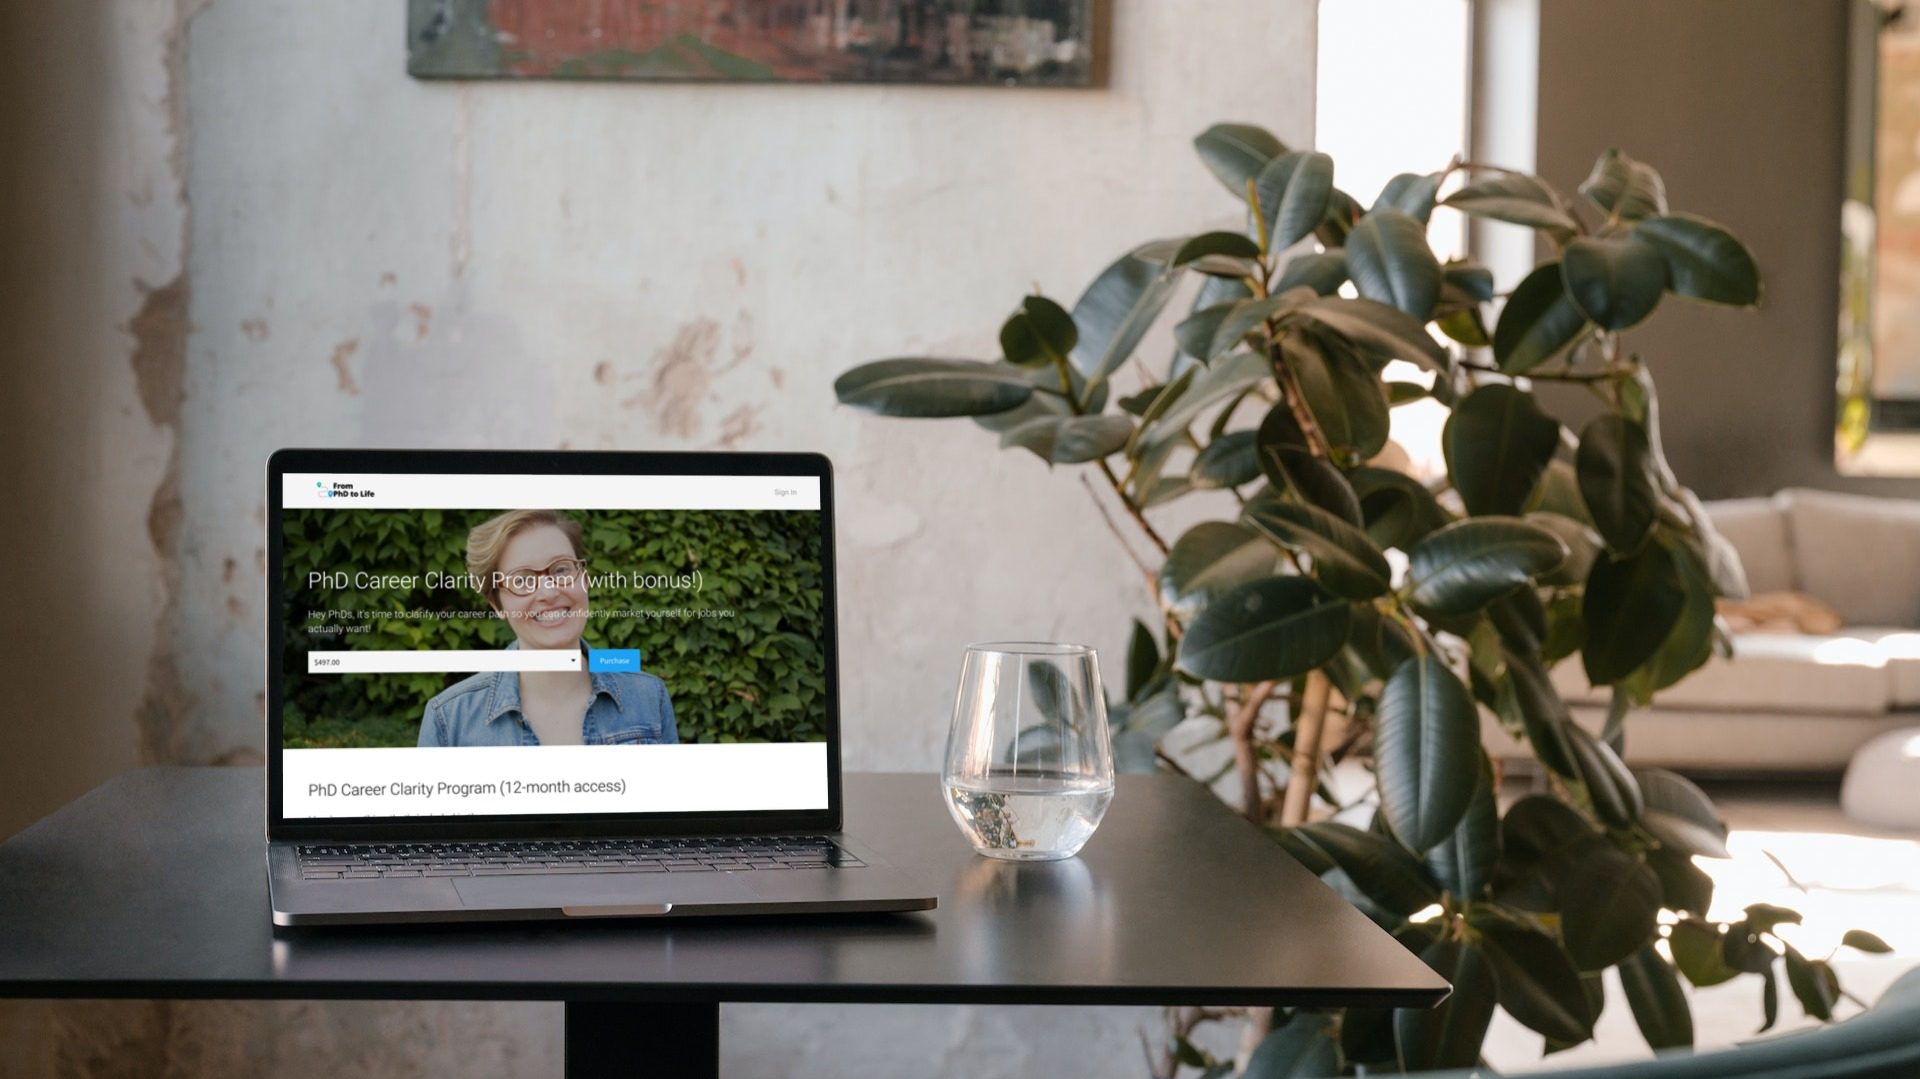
<point>612,660</point>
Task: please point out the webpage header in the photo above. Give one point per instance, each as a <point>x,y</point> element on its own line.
<point>310,490</point>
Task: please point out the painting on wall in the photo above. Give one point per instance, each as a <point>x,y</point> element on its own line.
<point>946,42</point>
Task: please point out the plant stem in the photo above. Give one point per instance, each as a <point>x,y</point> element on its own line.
<point>1296,399</point>
<point>1133,508</point>
<point>1153,587</point>
<point>1240,727</point>
<point>1541,376</point>
<point>1308,723</point>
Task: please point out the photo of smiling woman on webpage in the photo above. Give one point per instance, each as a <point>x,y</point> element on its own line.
<point>531,568</point>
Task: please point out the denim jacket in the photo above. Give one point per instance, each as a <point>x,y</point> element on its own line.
<point>624,709</point>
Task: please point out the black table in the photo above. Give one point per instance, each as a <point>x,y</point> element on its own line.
<point>154,886</point>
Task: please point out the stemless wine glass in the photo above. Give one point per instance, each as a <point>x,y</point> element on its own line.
<point>1029,769</point>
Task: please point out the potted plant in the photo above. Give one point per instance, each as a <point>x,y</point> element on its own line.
<point>1289,626</point>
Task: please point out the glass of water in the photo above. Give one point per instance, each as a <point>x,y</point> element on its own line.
<point>1029,768</point>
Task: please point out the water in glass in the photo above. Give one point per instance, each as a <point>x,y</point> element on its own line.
<point>1029,768</point>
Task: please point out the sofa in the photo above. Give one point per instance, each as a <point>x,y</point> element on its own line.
<point>1793,702</point>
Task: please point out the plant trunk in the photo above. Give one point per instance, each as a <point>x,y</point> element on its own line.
<point>1246,762</point>
<point>1308,724</point>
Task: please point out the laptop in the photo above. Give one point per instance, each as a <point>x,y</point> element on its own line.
<point>555,685</point>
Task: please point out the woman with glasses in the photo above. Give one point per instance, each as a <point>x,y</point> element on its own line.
<point>531,569</point>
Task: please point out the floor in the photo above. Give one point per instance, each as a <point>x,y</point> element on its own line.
<point>1843,876</point>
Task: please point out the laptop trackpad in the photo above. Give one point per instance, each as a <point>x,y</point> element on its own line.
<point>612,890</point>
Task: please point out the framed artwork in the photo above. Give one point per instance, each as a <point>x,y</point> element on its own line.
<point>942,42</point>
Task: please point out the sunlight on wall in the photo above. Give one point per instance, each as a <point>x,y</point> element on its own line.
<point>1392,97</point>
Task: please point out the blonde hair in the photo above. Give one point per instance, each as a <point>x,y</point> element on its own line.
<point>488,541</point>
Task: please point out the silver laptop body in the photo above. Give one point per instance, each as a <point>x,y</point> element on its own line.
<point>425,610</point>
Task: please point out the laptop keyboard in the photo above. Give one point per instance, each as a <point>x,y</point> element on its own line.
<point>337,861</point>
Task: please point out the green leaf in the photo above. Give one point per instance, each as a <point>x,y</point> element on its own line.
<point>1609,902</point>
<point>1704,261</point>
<point>1615,793</point>
<point>1344,559</point>
<point>1366,1036</point>
<point>1517,200</point>
<point>1379,867</point>
<point>1427,752</point>
<point>1769,1000</point>
<point>1616,281</point>
<point>1469,564</point>
<point>1071,440</point>
<point>1294,189</point>
<point>1377,328</point>
<point>1680,815</point>
<point>1467,282</point>
<point>1235,153</point>
<point>1342,211</point>
<point>1209,560</point>
<point>1764,917</point>
<point>1157,406</point>
<point>1615,467</point>
<point>1380,643</point>
<point>1625,188</point>
<point>1401,393</point>
<point>1659,1006</point>
<point>1138,728</point>
<point>1115,311</point>
<point>1322,271</point>
<point>1039,406</point>
<point>1543,714</point>
<point>1863,941</point>
<point>1538,322</point>
<point>1630,606</point>
<point>1582,544</point>
<point>1463,862</point>
<point>1143,659</point>
<point>1039,333</point>
<point>1398,509</point>
<point>1342,392</point>
<point>1228,461</point>
<point>1197,333</point>
<point>1245,317</point>
<point>1230,244</point>
<point>1276,628</point>
<point>1537,982</point>
<point>1289,466</point>
<point>1389,260</point>
<point>1411,193</point>
<point>1697,952</point>
<point>1449,1035</point>
<point>1222,379</point>
<point>1682,884</point>
<point>1559,492</point>
<point>1813,984</point>
<point>1497,443</point>
<point>1303,1047</point>
<point>926,388</point>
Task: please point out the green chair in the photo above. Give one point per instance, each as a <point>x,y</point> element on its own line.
<point>1881,1043</point>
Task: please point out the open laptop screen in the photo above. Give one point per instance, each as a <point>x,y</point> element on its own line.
<point>462,644</point>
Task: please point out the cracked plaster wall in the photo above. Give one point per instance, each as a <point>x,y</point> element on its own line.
<point>265,234</point>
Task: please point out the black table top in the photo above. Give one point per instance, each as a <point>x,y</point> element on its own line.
<point>154,885</point>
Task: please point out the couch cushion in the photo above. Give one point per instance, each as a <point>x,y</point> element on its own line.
<point>1859,554</point>
<point>1771,672</point>
<point>1900,648</point>
<point>1757,528</point>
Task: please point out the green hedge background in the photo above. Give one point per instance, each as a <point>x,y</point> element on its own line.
<point>759,676</point>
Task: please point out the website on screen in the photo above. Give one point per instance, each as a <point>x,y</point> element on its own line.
<point>470,644</point>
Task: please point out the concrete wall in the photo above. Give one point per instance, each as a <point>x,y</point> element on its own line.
<point>245,227</point>
<point>1740,105</point>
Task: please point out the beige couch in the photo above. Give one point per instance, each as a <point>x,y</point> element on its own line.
<point>1791,703</point>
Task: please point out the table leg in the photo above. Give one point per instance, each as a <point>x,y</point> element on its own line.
<point>665,1041</point>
